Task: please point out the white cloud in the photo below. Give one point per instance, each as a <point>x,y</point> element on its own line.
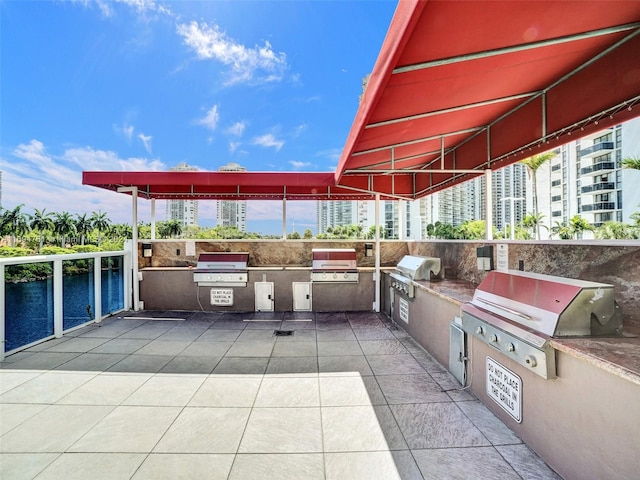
<point>258,64</point>
<point>268,140</point>
<point>210,120</point>
<point>299,165</point>
<point>237,129</point>
<point>125,130</point>
<point>300,129</point>
<point>331,154</point>
<point>33,151</point>
<point>146,140</point>
<point>233,146</point>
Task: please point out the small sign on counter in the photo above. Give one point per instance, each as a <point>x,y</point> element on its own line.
<point>222,296</point>
<point>503,257</point>
<point>505,388</point>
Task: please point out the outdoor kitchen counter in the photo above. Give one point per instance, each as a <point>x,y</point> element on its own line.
<point>452,290</point>
<point>618,355</point>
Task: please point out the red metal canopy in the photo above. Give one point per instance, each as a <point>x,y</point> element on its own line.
<point>474,85</point>
<point>458,87</point>
<point>197,185</point>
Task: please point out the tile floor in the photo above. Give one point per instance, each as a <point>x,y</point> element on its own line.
<point>197,395</point>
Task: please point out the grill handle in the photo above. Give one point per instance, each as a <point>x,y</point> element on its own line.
<point>505,309</point>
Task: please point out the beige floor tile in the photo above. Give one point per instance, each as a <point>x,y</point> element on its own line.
<point>280,466</point>
<point>10,379</point>
<point>166,390</point>
<point>94,466</point>
<point>24,466</point>
<point>352,429</point>
<point>222,391</point>
<point>46,388</point>
<point>105,390</point>
<point>54,429</point>
<point>371,465</point>
<point>183,466</point>
<point>283,430</point>
<point>343,391</point>
<point>288,392</point>
<point>463,463</point>
<point>13,414</point>
<point>128,429</point>
<point>205,430</point>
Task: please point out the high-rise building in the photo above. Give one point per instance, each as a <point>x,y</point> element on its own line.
<point>232,213</point>
<point>586,178</point>
<point>185,211</point>
<point>333,213</point>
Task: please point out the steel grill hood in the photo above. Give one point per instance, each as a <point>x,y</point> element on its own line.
<point>517,313</point>
<point>419,268</point>
<point>221,269</point>
<point>335,265</point>
<point>554,306</point>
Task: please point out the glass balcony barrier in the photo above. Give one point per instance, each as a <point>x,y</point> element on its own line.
<point>597,187</point>
<point>598,206</point>
<point>45,296</point>
<point>597,148</point>
<point>598,167</point>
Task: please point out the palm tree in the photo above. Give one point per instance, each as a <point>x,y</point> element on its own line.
<point>41,221</point>
<point>64,226</point>
<point>174,228</point>
<point>563,231</point>
<point>533,164</point>
<point>14,223</point>
<point>100,222</point>
<point>631,162</point>
<point>532,221</point>
<point>579,225</point>
<point>83,226</point>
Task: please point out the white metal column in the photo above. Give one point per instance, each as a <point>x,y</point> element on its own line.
<point>489,203</point>
<point>284,218</point>
<point>97,288</point>
<point>58,299</point>
<point>153,219</point>
<point>377,237</point>
<point>3,340</point>
<point>134,246</point>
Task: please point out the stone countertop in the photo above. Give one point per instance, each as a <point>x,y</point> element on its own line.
<point>618,355</point>
<point>453,290</point>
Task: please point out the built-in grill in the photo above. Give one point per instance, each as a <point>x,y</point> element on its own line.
<point>413,267</point>
<point>221,269</point>
<point>517,313</point>
<point>334,265</point>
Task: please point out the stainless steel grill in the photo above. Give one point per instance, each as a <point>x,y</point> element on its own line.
<point>221,269</point>
<point>517,313</point>
<point>334,265</point>
<point>412,268</point>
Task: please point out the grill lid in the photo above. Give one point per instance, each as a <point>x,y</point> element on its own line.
<point>222,262</point>
<point>554,306</point>
<point>333,259</point>
<point>419,268</point>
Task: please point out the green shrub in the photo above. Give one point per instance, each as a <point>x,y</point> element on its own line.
<point>15,252</point>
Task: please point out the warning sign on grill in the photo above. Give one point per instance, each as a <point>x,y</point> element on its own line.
<point>505,388</point>
<point>222,296</point>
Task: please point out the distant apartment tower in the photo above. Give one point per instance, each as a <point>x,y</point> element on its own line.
<point>232,213</point>
<point>586,178</point>
<point>333,213</point>
<point>467,201</point>
<point>185,211</point>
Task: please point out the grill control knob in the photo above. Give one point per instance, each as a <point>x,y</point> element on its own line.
<point>531,361</point>
<point>510,347</point>
<point>494,338</point>
<point>479,331</point>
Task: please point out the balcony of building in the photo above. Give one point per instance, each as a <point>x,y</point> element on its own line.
<point>598,168</point>
<point>598,207</point>
<point>600,148</point>
<point>601,187</point>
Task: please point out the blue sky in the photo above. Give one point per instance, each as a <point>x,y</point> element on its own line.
<point>143,85</point>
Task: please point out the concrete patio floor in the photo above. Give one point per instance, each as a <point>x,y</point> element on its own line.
<point>198,395</point>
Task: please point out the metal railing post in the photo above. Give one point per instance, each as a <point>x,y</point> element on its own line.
<point>97,287</point>
<point>58,299</point>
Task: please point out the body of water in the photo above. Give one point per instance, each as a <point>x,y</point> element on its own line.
<point>29,305</point>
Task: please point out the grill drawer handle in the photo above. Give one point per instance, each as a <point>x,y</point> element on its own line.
<point>505,309</point>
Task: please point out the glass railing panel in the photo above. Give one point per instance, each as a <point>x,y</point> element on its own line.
<point>78,289</point>
<point>112,284</point>
<point>28,304</point>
